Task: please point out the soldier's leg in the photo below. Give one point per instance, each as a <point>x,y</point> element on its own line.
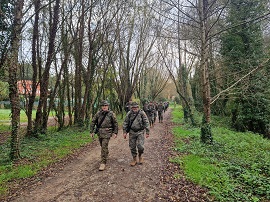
<point>149,118</point>
<point>104,150</point>
<point>140,143</point>
<point>100,141</point>
<point>152,119</point>
<point>132,144</point>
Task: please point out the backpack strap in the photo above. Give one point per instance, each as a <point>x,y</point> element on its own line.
<point>101,121</point>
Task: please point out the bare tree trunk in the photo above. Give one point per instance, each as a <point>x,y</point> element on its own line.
<point>66,83</point>
<point>32,96</point>
<point>79,67</point>
<point>41,115</point>
<point>206,133</point>
<point>89,72</point>
<point>13,90</point>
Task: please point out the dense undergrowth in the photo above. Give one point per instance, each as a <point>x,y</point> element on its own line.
<point>236,167</point>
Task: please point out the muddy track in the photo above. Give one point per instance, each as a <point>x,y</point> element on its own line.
<point>77,178</point>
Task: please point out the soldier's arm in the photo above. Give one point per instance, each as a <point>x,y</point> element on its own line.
<point>146,122</point>
<point>115,124</point>
<point>125,123</point>
<point>93,123</point>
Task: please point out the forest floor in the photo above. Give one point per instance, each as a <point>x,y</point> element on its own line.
<point>77,177</point>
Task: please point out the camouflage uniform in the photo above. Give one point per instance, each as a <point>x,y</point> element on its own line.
<point>150,113</point>
<point>136,133</point>
<point>108,127</point>
<point>128,106</point>
<point>160,109</point>
<point>155,111</point>
<point>145,107</point>
<point>166,105</point>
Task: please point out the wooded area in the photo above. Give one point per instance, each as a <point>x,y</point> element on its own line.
<point>78,53</point>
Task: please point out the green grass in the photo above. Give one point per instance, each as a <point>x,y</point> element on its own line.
<point>177,115</point>
<point>236,167</point>
<point>5,118</point>
<point>39,153</point>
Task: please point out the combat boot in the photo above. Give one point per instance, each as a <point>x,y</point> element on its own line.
<point>102,167</point>
<point>140,159</point>
<point>134,162</point>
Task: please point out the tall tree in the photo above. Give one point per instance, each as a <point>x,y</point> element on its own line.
<point>35,51</point>
<point>203,9</point>
<point>242,51</point>
<point>42,113</point>
<point>6,15</point>
<point>13,70</point>
<point>134,45</point>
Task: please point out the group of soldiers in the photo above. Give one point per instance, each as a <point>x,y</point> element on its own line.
<point>152,110</point>
<point>137,125</point>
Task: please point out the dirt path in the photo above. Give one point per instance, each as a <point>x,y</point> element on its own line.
<point>80,180</point>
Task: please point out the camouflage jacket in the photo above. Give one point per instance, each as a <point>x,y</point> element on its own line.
<point>151,109</point>
<point>108,127</point>
<point>160,107</point>
<point>141,122</point>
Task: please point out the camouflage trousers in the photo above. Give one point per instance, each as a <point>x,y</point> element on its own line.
<point>136,141</point>
<point>104,142</point>
<point>150,118</point>
<point>160,116</point>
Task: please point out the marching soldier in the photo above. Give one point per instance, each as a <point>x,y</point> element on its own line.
<point>150,113</point>
<point>136,124</point>
<point>106,126</point>
<point>128,106</point>
<point>160,109</point>
<point>155,111</point>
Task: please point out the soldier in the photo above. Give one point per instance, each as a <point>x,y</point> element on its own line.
<point>155,111</point>
<point>106,126</point>
<point>160,109</point>
<point>166,105</point>
<point>128,106</point>
<point>150,113</point>
<point>145,107</point>
<point>136,123</point>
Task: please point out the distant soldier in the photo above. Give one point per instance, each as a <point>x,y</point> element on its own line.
<point>166,105</point>
<point>128,106</point>
<point>150,113</point>
<point>155,111</point>
<point>136,123</point>
<point>145,107</point>
<point>105,124</point>
<point>160,112</point>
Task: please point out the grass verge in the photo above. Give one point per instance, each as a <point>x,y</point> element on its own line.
<point>5,120</point>
<point>37,153</point>
<point>236,167</point>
